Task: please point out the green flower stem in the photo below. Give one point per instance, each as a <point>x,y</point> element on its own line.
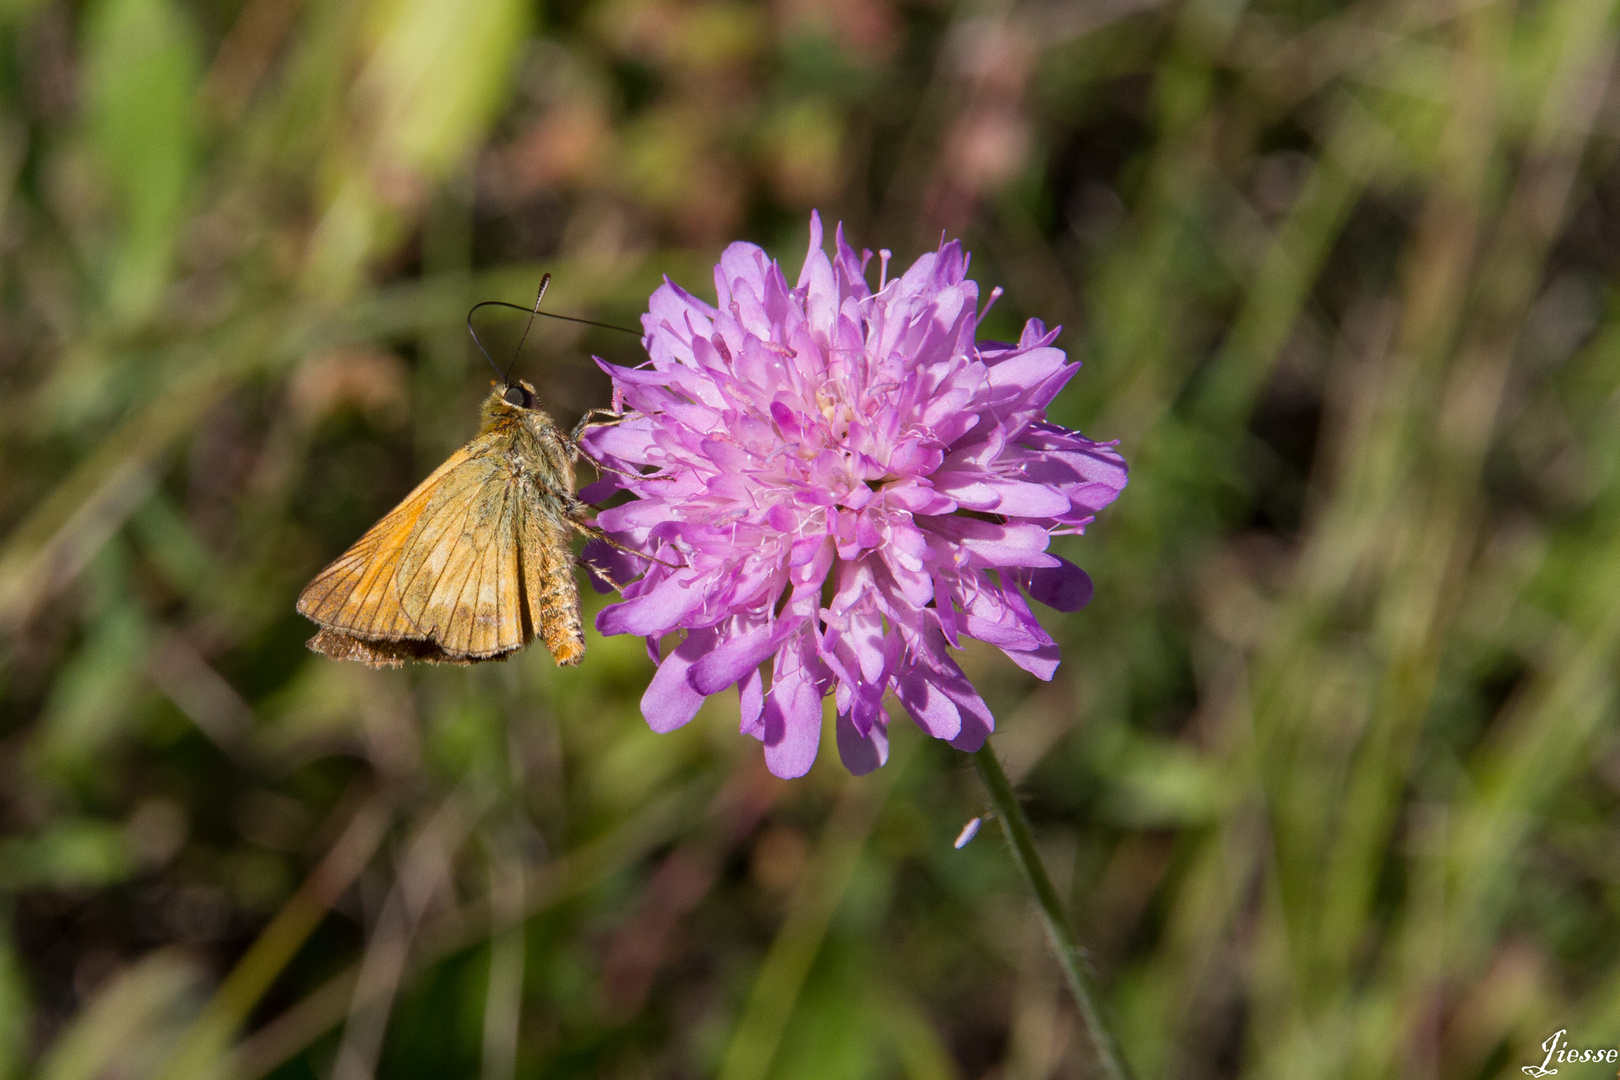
<point>1069,956</point>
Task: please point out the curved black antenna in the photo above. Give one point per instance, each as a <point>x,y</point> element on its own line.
<point>545,283</point>
<point>532,312</point>
<point>552,315</point>
<point>493,365</point>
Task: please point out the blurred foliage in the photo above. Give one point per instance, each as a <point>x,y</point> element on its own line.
<point>1331,772</point>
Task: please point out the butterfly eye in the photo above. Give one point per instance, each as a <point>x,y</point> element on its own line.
<point>516,395</point>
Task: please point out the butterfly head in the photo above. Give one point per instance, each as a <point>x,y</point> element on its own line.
<point>515,406</point>
<point>515,400</point>
<point>519,394</point>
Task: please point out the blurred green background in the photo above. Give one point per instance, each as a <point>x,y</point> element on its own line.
<point>1329,777</point>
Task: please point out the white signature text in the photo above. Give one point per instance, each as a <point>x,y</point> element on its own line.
<point>1558,1049</point>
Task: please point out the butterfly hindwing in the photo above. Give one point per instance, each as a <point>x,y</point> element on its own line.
<point>458,578</point>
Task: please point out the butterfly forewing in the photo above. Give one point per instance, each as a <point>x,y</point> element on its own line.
<point>356,594</point>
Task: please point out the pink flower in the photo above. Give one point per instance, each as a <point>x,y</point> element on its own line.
<point>844,483</point>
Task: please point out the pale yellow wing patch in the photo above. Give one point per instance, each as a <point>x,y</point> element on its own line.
<point>458,578</point>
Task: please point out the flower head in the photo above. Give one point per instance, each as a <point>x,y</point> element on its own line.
<point>844,483</point>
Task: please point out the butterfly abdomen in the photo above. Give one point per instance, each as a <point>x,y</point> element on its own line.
<point>548,577</point>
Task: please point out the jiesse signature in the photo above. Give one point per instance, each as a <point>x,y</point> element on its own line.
<point>1559,1050</point>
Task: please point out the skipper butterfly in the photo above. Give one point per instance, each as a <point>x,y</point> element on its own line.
<point>477,561</point>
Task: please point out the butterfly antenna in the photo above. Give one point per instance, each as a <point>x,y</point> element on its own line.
<point>532,312</point>
<point>545,283</point>
<point>492,364</point>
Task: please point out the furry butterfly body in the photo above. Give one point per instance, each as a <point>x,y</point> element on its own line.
<point>473,564</point>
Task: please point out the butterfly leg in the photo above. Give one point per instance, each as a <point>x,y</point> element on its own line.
<point>597,570</point>
<point>591,532</point>
<point>587,422</point>
<point>575,451</point>
<point>599,467</point>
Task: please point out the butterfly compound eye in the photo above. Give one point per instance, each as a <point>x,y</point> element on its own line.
<point>516,395</point>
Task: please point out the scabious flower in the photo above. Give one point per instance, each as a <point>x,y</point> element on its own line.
<point>844,483</point>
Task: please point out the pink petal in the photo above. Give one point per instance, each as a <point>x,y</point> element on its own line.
<point>670,700</point>
<point>977,722</point>
<point>655,612</point>
<point>741,263</point>
<point>607,567</point>
<point>738,655</point>
<point>1030,369</point>
<point>792,718</point>
<point>815,246</point>
<point>1021,499</point>
<point>860,754</point>
<point>1041,662</point>
<point>751,703</point>
<point>1064,587</point>
<point>928,706</point>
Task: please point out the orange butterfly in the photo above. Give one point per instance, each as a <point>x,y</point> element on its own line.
<point>476,561</point>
